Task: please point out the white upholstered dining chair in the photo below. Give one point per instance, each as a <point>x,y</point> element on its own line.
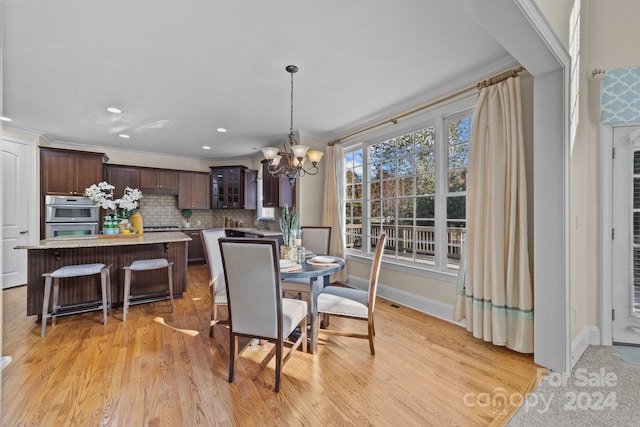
<point>353,303</point>
<point>256,306</point>
<point>317,239</point>
<point>217,287</point>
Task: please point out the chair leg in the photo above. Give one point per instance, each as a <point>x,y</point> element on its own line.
<point>371,333</point>
<point>45,304</point>
<point>214,311</point>
<point>109,299</point>
<point>127,293</point>
<point>104,274</point>
<point>170,268</point>
<point>304,334</point>
<point>233,353</point>
<point>325,320</point>
<point>279,364</point>
<point>56,292</point>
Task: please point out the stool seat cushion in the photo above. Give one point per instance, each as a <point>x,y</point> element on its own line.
<point>148,264</point>
<point>76,270</point>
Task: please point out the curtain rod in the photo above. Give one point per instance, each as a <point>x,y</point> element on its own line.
<point>499,78</point>
<point>394,120</point>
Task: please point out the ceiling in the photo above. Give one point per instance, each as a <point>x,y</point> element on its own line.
<point>179,70</point>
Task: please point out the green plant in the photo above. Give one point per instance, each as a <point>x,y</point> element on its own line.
<point>186,213</point>
<point>288,223</point>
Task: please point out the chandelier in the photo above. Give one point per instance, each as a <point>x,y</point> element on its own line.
<point>289,162</point>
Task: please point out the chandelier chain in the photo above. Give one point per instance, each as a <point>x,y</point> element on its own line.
<point>291,128</point>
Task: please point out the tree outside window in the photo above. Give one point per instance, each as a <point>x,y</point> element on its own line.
<point>393,185</point>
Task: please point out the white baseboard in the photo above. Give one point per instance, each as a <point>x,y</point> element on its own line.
<point>589,335</point>
<point>413,301</point>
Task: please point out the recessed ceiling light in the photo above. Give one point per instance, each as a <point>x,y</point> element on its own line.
<point>124,135</point>
<point>206,147</point>
<point>221,130</point>
<point>5,119</point>
<point>114,110</point>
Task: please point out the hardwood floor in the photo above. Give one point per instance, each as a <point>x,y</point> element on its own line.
<point>162,369</point>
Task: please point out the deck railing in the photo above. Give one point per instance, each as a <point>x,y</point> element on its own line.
<point>407,238</point>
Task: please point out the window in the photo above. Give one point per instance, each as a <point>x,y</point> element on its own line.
<point>413,187</point>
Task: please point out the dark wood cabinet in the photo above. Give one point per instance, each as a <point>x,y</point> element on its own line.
<point>276,191</point>
<point>122,177</point>
<point>69,172</point>
<point>196,251</point>
<point>158,181</point>
<point>233,187</point>
<point>194,190</point>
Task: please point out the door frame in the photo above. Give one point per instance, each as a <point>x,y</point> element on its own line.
<point>605,246</point>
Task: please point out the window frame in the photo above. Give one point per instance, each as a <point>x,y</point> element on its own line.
<point>437,117</point>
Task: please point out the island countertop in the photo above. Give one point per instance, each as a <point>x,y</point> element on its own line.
<point>146,238</point>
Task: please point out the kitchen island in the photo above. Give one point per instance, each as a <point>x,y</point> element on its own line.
<point>50,254</point>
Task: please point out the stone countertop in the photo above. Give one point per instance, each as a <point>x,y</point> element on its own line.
<point>146,238</point>
<point>164,230</point>
<point>256,232</point>
<point>247,230</point>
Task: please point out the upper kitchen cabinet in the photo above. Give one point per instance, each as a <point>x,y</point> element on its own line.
<point>122,177</point>
<point>158,181</point>
<point>69,172</point>
<point>233,187</point>
<point>276,191</point>
<point>194,190</point>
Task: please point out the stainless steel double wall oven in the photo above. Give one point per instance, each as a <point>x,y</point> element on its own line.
<point>70,216</point>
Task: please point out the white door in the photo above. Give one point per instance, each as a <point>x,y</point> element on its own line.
<point>15,211</point>
<point>626,235</point>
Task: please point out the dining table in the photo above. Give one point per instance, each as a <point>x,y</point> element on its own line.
<point>318,275</point>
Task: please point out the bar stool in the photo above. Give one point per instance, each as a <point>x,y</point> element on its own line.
<point>67,272</point>
<point>145,265</point>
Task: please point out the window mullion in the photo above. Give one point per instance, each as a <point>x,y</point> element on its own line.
<point>366,197</point>
<point>441,194</point>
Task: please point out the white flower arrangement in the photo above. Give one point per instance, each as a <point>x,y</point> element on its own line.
<point>101,194</point>
<point>130,199</point>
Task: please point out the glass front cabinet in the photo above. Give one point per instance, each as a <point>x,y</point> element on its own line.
<point>233,187</point>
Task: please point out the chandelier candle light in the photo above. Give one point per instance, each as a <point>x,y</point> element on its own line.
<point>290,162</point>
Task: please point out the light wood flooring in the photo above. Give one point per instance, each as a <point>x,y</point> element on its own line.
<point>162,369</point>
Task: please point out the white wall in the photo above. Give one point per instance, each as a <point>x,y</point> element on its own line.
<point>614,33</point>
<point>557,14</point>
<point>310,188</point>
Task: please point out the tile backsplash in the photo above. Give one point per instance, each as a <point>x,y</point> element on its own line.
<point>163,210</point>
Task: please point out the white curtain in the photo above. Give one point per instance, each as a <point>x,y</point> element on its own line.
<point>332,207</point>
<point>496,295</point>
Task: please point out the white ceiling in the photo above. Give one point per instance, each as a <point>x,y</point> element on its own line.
<point>181,69</point>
